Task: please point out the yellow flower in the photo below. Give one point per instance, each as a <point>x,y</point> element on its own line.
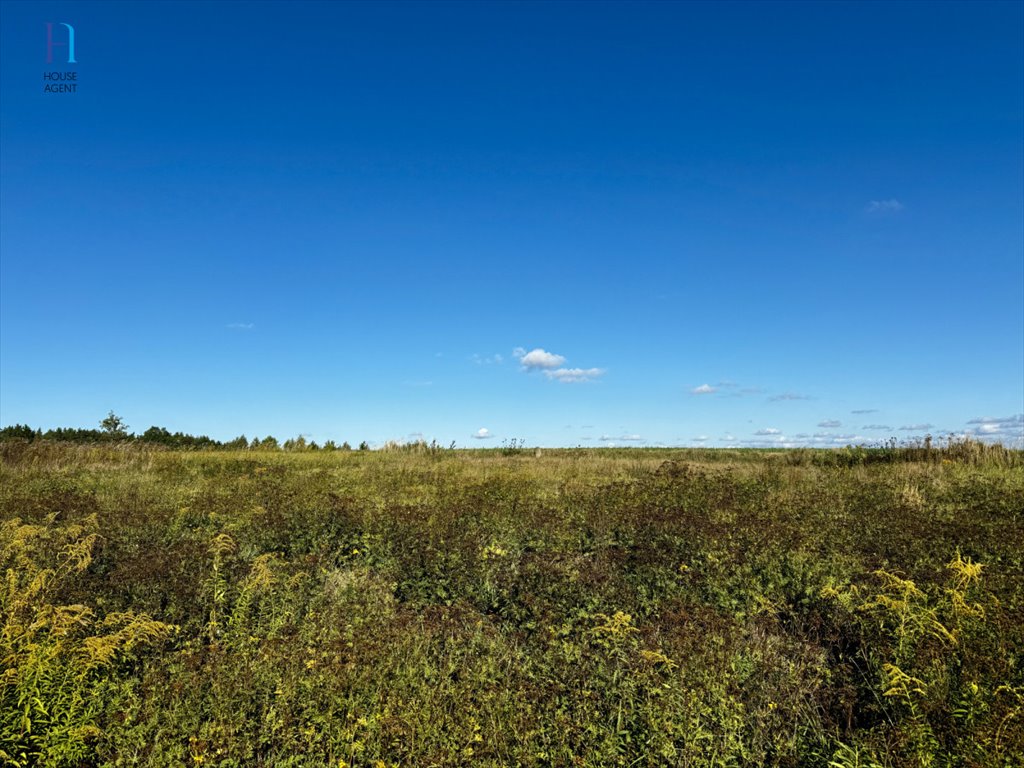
<point>657,657</point>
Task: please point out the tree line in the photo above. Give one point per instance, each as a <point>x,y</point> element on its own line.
<point>112,429</point>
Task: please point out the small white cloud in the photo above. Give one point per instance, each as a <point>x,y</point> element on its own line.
<point>830,424</point>
<point>916,427</point>
<point>884,427</point>
<point>494,359</point>
<point>884,207</point>
<point>574,375</point>
<point>703,389</point>
<point>240,326</point>
<point>482,434</point>
<point>788,396</point>
<point>862,411</point>
<point>548,362</point>
<point>1008,430</point>
<point>1004,421</point>
<point>623,438</point>
<point>538,359</point>
<point>768,431</point>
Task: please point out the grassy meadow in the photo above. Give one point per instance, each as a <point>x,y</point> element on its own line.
<point>639,607</point>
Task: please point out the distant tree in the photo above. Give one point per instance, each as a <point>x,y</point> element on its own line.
<point>22,431</point>
<point>240,443</point>
<point>157,435</point>
<point>364,446</point>
<point>114,425</point>
<point>161,436</point>
<point>269,443</point>
<point>73,435</point>
<point>330,446</point>
<point>254,444</point>
<point>345,446</point>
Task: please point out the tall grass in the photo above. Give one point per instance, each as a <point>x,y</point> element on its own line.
<point>451,608</point>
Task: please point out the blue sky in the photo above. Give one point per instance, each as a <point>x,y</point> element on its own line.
<point>575,224</point>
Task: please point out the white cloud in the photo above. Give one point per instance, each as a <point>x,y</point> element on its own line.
<point>1004,421</point>
<point>1008,430</point>
<point>538,359</point>
<point>769,431</point>
<point>494,359</point>
<point>623,438</point>
<point>788,396</point>
<point>777,441</point>
<point>885,427</point>
<point>819,440</point>
<point>830,423</point>
<point>241,326</point>
<point>482,434</point>
<point>916,427</point>
<point>862,411</point>
<point>574,375</point>
<point>703,389</point>
<point>884,207</point>
<point>550,364</point>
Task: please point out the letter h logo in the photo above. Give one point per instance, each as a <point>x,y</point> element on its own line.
<point>70,44</point>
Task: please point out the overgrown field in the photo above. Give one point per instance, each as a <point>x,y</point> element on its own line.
<point>457,608</point>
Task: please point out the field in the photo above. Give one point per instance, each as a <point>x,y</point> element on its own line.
<point>499,608</point>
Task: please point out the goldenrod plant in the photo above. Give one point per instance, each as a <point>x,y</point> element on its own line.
<point>55,655</point>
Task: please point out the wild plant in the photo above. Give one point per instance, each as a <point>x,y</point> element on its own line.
<point>53,654</point>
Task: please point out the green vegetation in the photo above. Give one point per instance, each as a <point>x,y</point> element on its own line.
<point>503,608</point>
